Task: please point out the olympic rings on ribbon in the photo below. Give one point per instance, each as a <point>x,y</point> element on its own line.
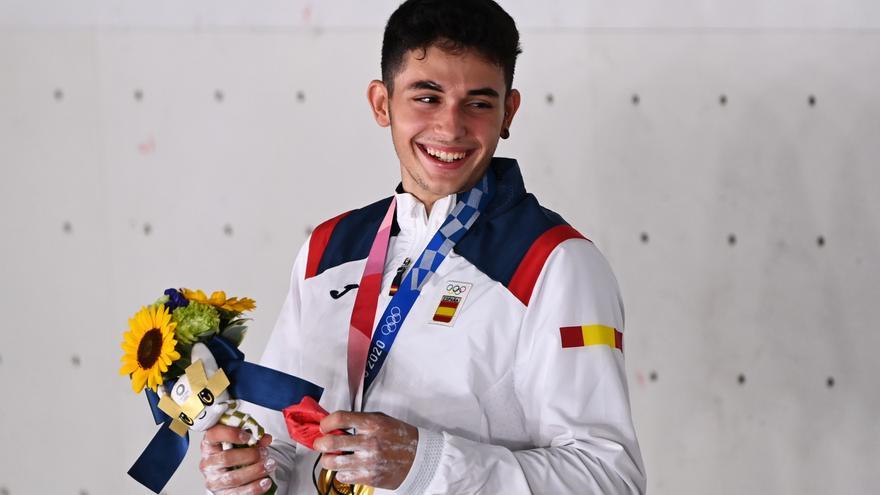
<point>456,289</point>
<point>391,321</point>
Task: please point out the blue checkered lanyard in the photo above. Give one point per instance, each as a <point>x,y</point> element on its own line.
<point>463,216</point>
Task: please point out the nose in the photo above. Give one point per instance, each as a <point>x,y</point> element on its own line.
<point>450,124</point>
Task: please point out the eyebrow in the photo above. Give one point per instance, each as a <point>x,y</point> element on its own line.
<point>433,86</point>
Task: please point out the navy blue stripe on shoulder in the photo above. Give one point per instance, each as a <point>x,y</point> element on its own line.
<point>499,241</point>
<point>353,235</point>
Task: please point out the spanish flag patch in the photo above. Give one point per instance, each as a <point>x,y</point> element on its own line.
<point>451,300</point>
<point>587,335</point>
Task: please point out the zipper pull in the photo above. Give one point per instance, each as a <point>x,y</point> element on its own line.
<point>398,278</point>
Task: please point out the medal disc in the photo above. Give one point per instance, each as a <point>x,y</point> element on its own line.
<point>329,485</point>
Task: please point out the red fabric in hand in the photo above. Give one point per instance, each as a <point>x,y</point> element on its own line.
<point>304,422</point>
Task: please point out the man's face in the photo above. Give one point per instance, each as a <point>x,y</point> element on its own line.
<point>446,115</point>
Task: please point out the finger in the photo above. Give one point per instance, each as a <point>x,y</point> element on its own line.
<point>222,433</point>
<point>343,443</point>
<point>265,441</point>
<point>253,488</point>
<point>223,460</point>
<point>347,462</point>
<point>360,476</point>
<point>344,420</point>
<point>239,477</point>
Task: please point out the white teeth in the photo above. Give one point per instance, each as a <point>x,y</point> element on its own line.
<point>444,156</point>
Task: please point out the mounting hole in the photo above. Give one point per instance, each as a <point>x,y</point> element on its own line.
<point>741,379</point>
<point>811,100</point>
<point>309,229</point>
<point>148,229</point>
<point>75,361</point>
<point>301,96</point>
<point>830,382</point>
<point>218,96</point>
<point>138,95</point>
<point>653,376</point>
<point>820,241</point>
<point>644,237</point>
<point>67,227</point>
<point>722,100</point>
<point>731,239</point>
<point>549,98</point>
<point>58,94</point>
<point>227,229</point>
<point>635,99</point>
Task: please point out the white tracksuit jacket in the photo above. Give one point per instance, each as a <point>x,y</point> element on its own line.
<point>501,405</point>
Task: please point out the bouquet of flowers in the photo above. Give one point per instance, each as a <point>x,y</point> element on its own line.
<point>183,350</point>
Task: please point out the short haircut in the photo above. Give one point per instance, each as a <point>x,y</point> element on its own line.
<point>452,25</point>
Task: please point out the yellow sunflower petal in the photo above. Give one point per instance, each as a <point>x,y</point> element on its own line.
<point>128,368</point>
<point>218,298</point>
<point>138,380</point>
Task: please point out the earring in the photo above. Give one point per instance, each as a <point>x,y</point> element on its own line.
<point>505,133</point>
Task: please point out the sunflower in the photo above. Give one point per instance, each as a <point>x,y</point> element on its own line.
<point>149,347</point>
<point>218,300</point>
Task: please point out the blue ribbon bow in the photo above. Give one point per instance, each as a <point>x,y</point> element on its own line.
<point>249,382</point>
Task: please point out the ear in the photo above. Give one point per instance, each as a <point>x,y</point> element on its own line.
<point>377,94</point>
<point>511,105</point>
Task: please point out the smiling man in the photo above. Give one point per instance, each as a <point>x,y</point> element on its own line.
<point>470,340</point>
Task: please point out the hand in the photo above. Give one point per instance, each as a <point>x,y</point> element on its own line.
<point>382,450</point>
<point>253,463</point>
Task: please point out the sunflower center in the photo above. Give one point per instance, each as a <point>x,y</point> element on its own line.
<point>150,348</point>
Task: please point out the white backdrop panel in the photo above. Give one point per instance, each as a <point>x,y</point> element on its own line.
<point>553,14</point>
<point>134,160</point>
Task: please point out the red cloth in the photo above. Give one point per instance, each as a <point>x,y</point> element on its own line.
<point>304,422</point>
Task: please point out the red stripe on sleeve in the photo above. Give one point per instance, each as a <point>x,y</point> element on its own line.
<point>618,340</point>
<point>571,337</point>
<point>318,243</point>
<point>523,281</point>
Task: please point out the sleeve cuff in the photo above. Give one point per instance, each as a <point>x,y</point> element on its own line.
<point>424,467</point>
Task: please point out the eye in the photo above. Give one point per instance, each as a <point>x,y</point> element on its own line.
<point>482,105</point>
<point>427,99</point>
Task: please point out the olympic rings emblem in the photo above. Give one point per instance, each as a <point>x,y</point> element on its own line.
<point>456,289</point>
<point>391,321</point>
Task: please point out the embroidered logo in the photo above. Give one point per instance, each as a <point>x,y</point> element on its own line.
<point>451,299</point>
<point>335,294</point>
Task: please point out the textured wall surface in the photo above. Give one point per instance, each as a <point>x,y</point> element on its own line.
<point>723,155</point>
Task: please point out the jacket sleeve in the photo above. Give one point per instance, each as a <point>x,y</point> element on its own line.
<point>574,399</point>
<point>280,354</point>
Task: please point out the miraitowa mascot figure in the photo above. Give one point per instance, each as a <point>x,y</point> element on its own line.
<point>212,403</point>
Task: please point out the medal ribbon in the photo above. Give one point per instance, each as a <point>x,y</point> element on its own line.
<point>367,355</point>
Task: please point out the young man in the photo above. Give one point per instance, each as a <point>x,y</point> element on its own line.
<point>504,370</point>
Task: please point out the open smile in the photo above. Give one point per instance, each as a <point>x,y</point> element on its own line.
<point>444,157</point>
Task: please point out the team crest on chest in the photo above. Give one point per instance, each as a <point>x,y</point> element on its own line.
<point>452,298</point>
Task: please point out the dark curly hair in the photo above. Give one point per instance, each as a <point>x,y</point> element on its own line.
<point>452,25</point>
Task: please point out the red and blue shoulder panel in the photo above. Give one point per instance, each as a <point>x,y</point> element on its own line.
<point>510,242</point>
<point>346,237</point>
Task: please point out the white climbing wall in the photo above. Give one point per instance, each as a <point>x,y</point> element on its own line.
<point>724,156</point>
